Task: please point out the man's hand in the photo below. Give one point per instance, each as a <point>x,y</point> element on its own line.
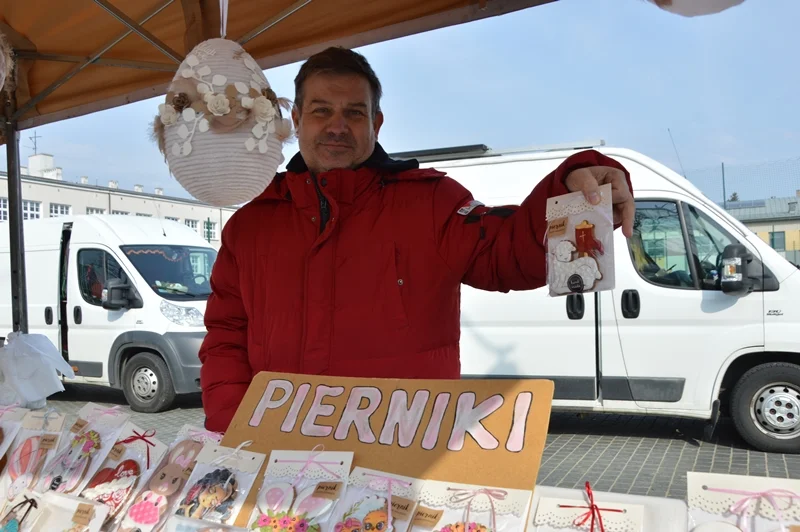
<point>588,180</point>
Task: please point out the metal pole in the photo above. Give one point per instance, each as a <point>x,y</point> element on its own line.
<point>19,298</point>
<point>724,194</point>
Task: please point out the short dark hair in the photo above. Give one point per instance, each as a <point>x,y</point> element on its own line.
<point>338,60</point>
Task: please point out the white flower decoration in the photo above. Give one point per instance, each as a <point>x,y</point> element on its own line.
<point>168,114</point>
<point>218,104</point>
<point>263,109</point>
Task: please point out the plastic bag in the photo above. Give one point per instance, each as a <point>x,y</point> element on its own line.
<point>22,513</point>
<point>300,490</point>
<point>220,482</point>
<point>83,450</point>
<point>29,363</point>
<point>580,244</point>
<point>448,507</point>
<point>35,444</point>
<point>71,514</point>
<point>149,510</point>
<point>130,462</point>
<point>184,524</point>
<point>10,425</point>
<point>378,501</point>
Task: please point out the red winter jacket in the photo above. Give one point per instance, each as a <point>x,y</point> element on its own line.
<point>358,273</point>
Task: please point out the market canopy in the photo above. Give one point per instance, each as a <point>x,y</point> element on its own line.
<point>81,56</point>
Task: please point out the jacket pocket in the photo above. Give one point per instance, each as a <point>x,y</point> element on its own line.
<point>369,309</point>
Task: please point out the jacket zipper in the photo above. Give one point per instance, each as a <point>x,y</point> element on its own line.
<point>324,206</point>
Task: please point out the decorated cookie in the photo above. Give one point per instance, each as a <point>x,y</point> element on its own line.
<point>282,511</point>
<point>24,465</point>
<point>112,486</point>
<point>370,513</point>
<point>68,468</point>
<point>214,492</point>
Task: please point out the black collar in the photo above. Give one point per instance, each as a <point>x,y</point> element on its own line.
<point>379,160</point>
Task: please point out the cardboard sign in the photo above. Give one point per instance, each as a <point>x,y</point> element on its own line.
<point>487,432</point>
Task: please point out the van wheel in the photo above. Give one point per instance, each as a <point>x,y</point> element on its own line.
<point>765,405</point>
<point>147,384</point>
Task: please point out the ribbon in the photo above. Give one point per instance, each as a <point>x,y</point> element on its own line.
<point>592,512</point>
<point>46,417</point>
<point>9,408</point>
<point>389,482</point>
<point>742,506</point>
<point>233,454</point>
<point>204,435</point>
<point>141,437</point>
<point>311,460</point>
<point>463,495</point>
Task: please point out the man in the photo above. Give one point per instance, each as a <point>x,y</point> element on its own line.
<point>351,263</point>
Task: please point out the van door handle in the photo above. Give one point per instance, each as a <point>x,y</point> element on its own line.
<point>77,315</point>
<point>48,315</point>
<point>575,306</point>
<point>630,304</point>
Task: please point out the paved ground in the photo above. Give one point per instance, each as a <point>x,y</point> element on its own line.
<point>624,454</point>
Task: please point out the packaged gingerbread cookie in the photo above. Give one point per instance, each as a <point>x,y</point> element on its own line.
<point>580,244</point>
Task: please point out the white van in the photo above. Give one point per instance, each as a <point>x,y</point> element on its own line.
<point>123,297</point>
<point>671,338</point>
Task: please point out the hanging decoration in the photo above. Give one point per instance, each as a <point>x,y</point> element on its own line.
<point>220,126</point>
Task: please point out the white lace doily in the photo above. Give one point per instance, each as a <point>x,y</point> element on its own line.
<point>362,479</point>
<point>611,522</point>
<point>436,495</point>
<point>287,464</point>
<point>555,513</point>
<point>575,204</point>
<point>747,493</point>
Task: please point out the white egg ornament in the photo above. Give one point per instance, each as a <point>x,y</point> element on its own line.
<point>220,126</point>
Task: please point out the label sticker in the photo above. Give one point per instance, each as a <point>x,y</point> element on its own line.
<point>401,508</point>
<point>557,227</point>
<point>48,441</point>
<point>426,517</point>
<point>116,452</point>
<point>83,514</point>
<point>469,207</point>
<point>79,426</point>
<point>328,490</point>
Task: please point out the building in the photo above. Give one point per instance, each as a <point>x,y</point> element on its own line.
<point>46,194</point>
<point>775,220</point>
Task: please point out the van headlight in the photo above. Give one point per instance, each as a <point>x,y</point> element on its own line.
<point>186,316</point>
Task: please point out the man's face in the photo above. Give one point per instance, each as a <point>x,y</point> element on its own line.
<point>335,128</point>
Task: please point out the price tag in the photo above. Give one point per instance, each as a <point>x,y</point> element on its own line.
<point>116,452</point>
<point>328,490</point>
<point>83,514</point>
<point>79,426</point>
<point>48,441</point>
<point>401,508</point>
<point>426,518</point>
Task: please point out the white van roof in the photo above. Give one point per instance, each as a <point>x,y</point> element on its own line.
<point>111,229</point>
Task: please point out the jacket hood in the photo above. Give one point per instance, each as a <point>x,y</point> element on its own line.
<point>379,160</point>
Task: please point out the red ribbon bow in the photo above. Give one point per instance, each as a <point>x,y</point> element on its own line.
<point>141,437</point>
<point>592,512</point>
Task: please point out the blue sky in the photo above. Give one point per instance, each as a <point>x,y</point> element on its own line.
<point>622,70</point>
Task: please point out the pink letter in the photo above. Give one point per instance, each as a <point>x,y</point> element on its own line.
<point>522,407</point>
<point>468,419</point>
<point>309,428</point>
<point>359,417</point>
<point>268,402</point>
<point>294,410</point>
<point>406,419</point>
<point>435,424</point>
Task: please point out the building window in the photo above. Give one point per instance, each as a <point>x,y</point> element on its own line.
<point>191,223</point>
<point>3,209</point>
<point>122,213</point>
<point>143,215</point>
<point>59,209</point>
<point>95,210</point>
<point>171,218</point>
<point>777,240</point>
<point>210,230</point>
<point>31,210</point>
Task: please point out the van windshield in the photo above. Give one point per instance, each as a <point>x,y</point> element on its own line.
<point>178,273</point>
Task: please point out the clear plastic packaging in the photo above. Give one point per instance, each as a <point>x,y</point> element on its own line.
<point>149,510</point>
<point>452,507</point>
<point>83,450</point>
<point>35,444</point>
<point>70,514</point>
<point>10,424</point>
<point>130,462</point>
<point>184,524</point>
<point>22,514</point>
<point>219,485</point>
<point>379,501</point>
<point>580,244</point>
<point>300,490</point>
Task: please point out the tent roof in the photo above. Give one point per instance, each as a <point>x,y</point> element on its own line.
<point>113,64</point>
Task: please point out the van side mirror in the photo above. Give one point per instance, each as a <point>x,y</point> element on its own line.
<point>734,278</point>
<point>116,295</point>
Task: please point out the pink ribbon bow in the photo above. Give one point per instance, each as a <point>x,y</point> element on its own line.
<point>462,495</point>
<point>141,437</point>
<point>592,511</point>
<point>311,460</point>
<point>389,482</point>
<point>350,524</point>
<point>741,507</point>
<point>202,435</point>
